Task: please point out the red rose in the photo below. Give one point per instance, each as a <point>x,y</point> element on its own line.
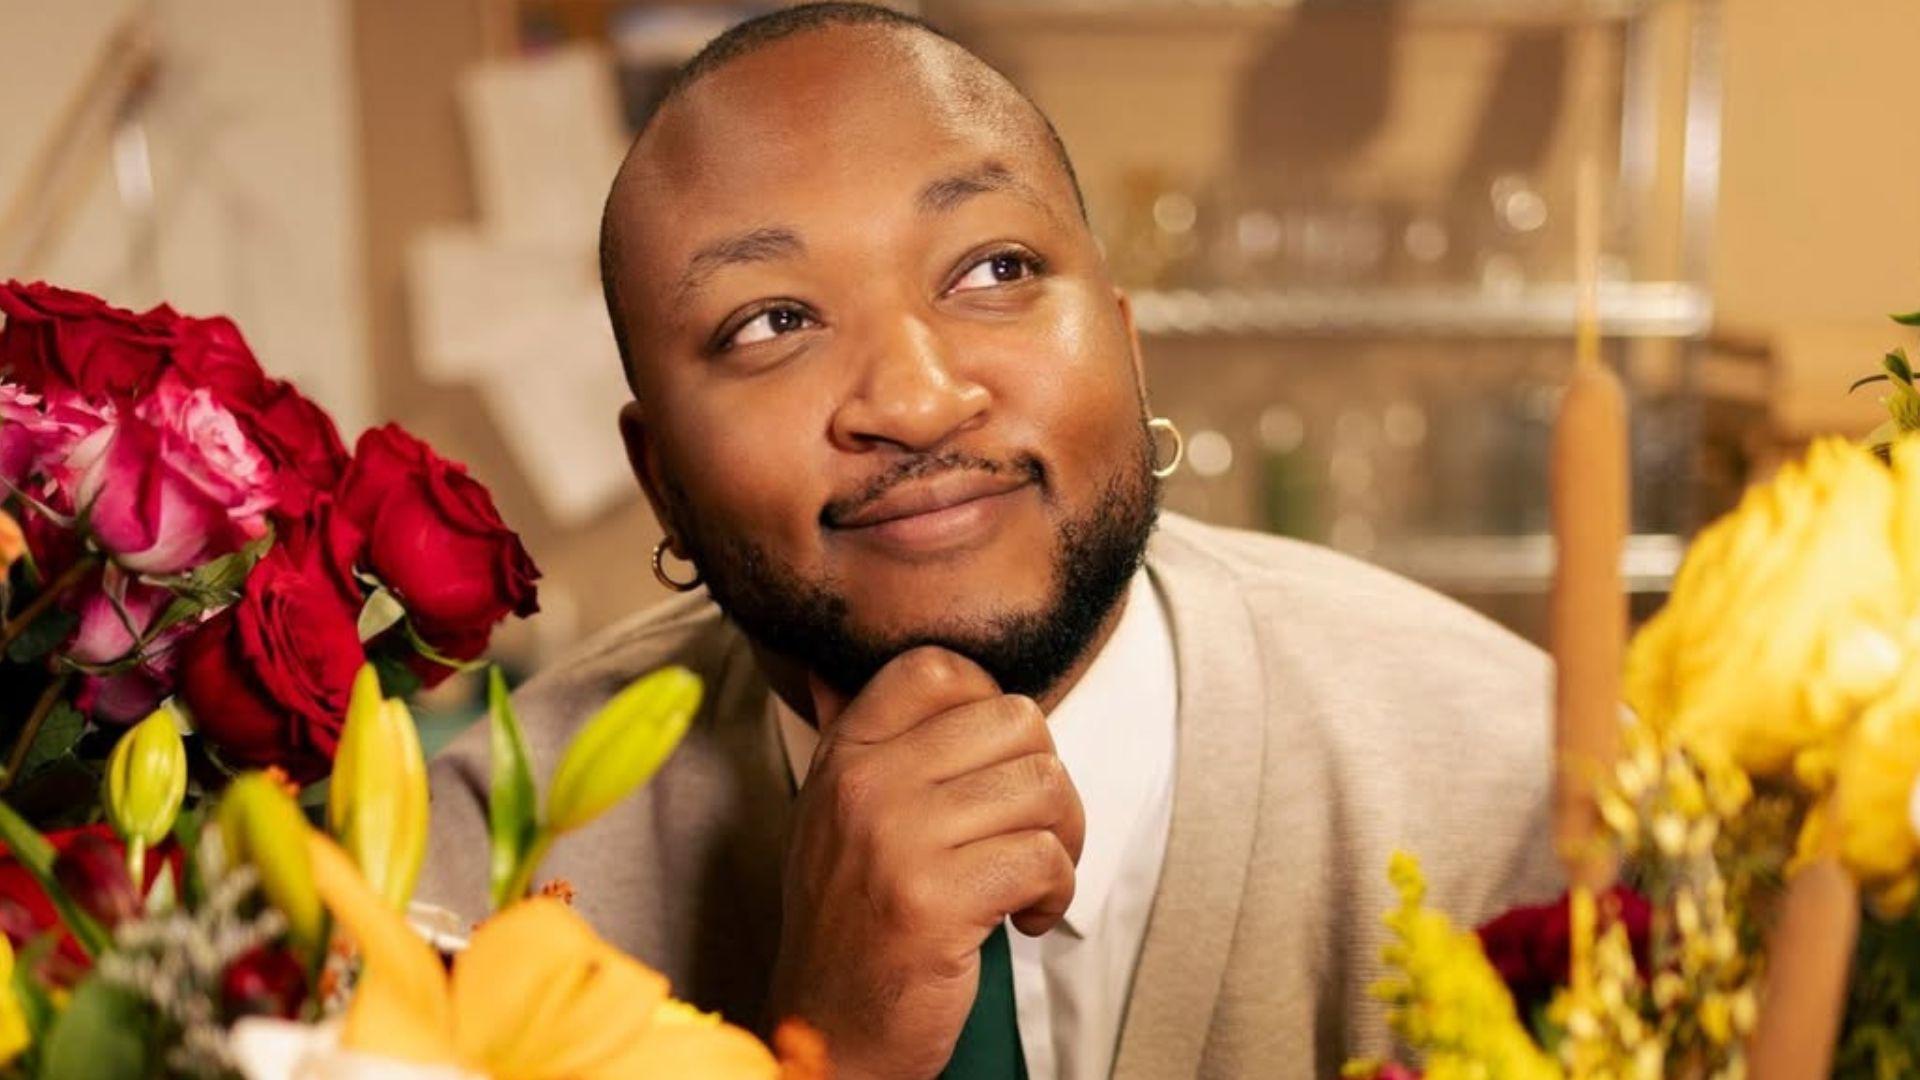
<point>301,441</point>
<point>435,539</point>
<point>60,338</point>
<point>211,353</point>
<point>27,910</point>
<point>1532,947</point>
<point>267,680</point>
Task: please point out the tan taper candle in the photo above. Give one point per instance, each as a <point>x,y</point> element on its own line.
<point>1809,953</point>
<point>1588,607</point>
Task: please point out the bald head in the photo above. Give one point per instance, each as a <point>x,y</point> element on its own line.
<point>894,49</point>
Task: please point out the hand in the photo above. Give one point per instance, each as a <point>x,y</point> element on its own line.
<point>934,808</point>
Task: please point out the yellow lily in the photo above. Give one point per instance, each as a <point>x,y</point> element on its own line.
<point>14,1034</point>
<point>377,796</point>
<point>536,995</point>
<point>145,783</point>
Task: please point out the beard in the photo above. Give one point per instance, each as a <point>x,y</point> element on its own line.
<point>1027,651</point>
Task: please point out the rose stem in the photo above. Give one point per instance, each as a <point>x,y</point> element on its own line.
<point>39,604</point>
<point>41,709</point>
<point>1808,954</point>
<point>1587,614</point>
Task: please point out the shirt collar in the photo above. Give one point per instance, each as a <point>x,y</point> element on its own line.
<point>1126,696</point>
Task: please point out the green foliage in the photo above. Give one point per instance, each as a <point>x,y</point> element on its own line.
<point>42,635</point>
<point>103,1031</point>
<point>1881,1036</point>
<point>58,734</point>
<point>513,804</point>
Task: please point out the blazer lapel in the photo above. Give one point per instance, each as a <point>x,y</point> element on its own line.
<point>1217,790</point>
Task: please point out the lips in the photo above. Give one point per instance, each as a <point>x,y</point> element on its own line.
<point>914,498</point>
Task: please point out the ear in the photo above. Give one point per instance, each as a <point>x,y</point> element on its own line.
<point>644,460</point>
<point>1125,305</point>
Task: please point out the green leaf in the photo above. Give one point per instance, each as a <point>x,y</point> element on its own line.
<point>43,635</point>
<point>1868,381</point>
<point>104,1031</point>
<point>58,734</point>
<point>513,804</point>
<point>1896,362</point>
<point>34,852</point>
<point>379,613</point>
<point>36,1001</point>
<point>433,655</point>
<point>209,586</point>
<point>1911,318</point>
<point>396,678</point>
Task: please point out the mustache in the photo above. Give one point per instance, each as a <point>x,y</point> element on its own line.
<point>920,466</point>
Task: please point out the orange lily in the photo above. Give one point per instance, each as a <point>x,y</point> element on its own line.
<point>536,995</point>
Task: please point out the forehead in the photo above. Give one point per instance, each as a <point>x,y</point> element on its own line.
<point>825,121</point>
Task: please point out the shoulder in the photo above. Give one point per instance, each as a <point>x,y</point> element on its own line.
<point>1306,599</point>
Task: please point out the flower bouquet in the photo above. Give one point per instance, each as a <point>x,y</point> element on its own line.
<point>1761,807</point>
<point>206,602</point>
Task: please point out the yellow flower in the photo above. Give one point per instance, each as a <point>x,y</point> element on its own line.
<point>1789,614</point>
<point>145,781</point>
<point>536,995</point>
<point>1874,770</point>
<point>14,1034</point>
<point>1445,999</point>
<point>377,797</point>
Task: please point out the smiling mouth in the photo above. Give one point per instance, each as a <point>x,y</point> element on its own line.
<point>932,497</point>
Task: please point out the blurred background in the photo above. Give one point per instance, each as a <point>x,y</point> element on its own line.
<point>1346,225</point>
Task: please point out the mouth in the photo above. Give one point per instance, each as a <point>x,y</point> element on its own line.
<point>939,512</point>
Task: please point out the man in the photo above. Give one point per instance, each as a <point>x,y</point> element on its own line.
<point>889,409</point>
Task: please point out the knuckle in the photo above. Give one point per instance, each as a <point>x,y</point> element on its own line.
<point>909,899</point>
<point>933,668</point>
<point>1021,717</point>
<point>853,789</point>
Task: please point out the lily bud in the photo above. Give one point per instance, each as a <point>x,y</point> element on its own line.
<point>262,827</point>
<point>377,797</point>
<point>91,871</point>
<point>621,747</point>
<point>146,780</point>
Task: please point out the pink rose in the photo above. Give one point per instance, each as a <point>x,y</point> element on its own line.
<point>117,615</point>
<point>36,436</point>
<point>173,483</point>
<point>114,615</point>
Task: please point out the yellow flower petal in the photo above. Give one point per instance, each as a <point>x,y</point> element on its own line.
<point>538,994</point>
<point>401,1007</point>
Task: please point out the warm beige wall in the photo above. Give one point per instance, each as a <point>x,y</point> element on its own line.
<point>254,154</point>
<point>1819,232</point>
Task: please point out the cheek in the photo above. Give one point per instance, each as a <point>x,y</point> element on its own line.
<point>1071,394</point>
<point>747,459</point>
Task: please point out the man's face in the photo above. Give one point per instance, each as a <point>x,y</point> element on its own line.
<point>886,393</point>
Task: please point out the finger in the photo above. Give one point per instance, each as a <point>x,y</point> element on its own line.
<point>975,736</point>
<point>1027,875</point>
<point>1026,793</point>
<point>913,686</point>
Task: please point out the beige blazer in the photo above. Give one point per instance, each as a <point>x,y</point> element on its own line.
<point>1329,714</point>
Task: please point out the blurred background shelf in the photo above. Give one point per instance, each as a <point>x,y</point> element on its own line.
<point>1644,310</point>
<point>1490,565</point>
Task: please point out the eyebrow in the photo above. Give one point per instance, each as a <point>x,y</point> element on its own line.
<point>755,245</point>
<point>772,242</point>
<point>948,192</point>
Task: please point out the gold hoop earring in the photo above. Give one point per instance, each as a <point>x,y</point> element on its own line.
<point>1161,423</point>
<point>660,569</point>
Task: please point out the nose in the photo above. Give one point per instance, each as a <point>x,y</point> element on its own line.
<point>910,395</point>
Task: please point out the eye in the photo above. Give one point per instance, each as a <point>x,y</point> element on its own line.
<point>1000,268</point>
<point>766,325</point>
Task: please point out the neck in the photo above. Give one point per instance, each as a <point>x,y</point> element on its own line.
<point>791,679</point>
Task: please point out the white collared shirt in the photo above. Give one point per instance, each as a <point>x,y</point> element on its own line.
<point>1114,732</point>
